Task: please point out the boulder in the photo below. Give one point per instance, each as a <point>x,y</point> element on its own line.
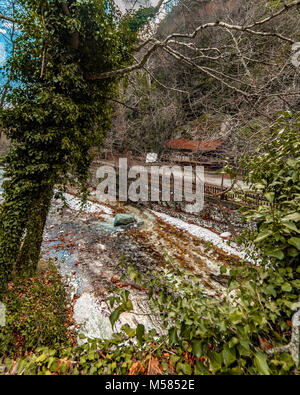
<point>225,235</point>
<point>123,219</point>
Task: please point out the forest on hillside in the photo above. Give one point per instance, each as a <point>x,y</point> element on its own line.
<point>224,84</point>
<point>149,190</point>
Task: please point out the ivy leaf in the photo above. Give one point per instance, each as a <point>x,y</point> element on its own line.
<point>114,317</point>
<point>130,332</point>
<point>184,368</point>
<point>292,252</point>
<point>295,241</point>
<point>223,270</point>
<point>260,361</point>
<point>197,348</point>
<point>215,361</point>
<point>275,254</point>
<point>140,332</point>
<point>291,226</point>
<point>292,217</point>
<point>270,196</point>
<point>286,287</point>
<point>229,356</point>
<point>263,235</point>
<point>111,301</point>
<point>173,337</point>
<point>128,306</point>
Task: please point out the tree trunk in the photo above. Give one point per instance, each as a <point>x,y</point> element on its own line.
<point>28,258</point>
<point>11,233</point>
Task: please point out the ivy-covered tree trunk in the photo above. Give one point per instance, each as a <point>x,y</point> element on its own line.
<point>22,221</point>
<point>29,255</point>
<point>55,112</point>
<point>11,233</point>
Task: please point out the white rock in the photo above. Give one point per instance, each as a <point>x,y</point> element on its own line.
<point>88,314</point>
<point>151,157</point>
<point>225,235</point>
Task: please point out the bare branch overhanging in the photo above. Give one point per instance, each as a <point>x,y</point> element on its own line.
<point>161,44</point>
<point>7,18</point>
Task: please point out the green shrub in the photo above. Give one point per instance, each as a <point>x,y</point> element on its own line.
<point>35,314</point>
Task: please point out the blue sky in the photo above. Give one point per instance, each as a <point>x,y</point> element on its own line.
<point>5,36</point>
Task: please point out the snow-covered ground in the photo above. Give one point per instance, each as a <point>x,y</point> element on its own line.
<point>75,204</point>
<point>202,233</point>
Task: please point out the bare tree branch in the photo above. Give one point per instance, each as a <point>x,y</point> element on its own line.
<point>129,69</point>
<point>246,29</point>
<point>7,18</point>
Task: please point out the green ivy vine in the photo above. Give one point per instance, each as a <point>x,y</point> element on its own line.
<point>54,114</point>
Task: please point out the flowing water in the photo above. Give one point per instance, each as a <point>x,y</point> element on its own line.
<point>89,250</point>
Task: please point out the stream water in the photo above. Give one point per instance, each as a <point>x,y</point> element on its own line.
<point>88,250</point>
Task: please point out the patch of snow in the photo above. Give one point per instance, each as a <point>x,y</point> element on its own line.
<point>225,235</point>
<point>93,317</point>
<point>200,232</point>
<point>88,314</point>
<point>75,204</point>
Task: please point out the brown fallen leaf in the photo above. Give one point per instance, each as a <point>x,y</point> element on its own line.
<point>136,368</point>
<point>154,366</point>
<point>114,280</point>
<point>264,344</point>
<point>60,362</point>
<point>14,368</point>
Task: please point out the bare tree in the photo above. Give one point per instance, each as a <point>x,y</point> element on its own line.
<point>231,75</point>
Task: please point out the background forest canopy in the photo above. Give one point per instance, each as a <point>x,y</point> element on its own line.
<point>224,84</point>
<point>221,85</point>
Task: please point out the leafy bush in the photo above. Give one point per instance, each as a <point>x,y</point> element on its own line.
<point>235,334</point>
<point>275,172</point>
<point>35,314</point>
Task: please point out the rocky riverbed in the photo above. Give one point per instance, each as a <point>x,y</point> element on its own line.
<point>89,250</point>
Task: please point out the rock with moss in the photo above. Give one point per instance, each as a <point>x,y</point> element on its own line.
<point>124,219</point>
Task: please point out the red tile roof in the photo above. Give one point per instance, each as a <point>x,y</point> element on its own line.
<point>193,145</point>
